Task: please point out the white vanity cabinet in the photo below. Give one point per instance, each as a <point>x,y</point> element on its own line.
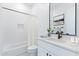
<point>48,49</point>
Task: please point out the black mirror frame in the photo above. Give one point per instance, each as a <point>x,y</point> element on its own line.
<point>75,19</point>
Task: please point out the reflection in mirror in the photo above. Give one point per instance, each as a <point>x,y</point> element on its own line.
<point>62,18</point>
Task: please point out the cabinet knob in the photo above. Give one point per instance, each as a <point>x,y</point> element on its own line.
<point>50,55</point>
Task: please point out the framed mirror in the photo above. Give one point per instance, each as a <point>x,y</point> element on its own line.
<point>63,18</point>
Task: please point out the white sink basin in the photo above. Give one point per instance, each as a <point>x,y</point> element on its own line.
<point>57,40</point>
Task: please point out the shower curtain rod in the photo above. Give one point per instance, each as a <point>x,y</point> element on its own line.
<point>17,11</point>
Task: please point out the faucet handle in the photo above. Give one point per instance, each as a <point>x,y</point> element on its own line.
<point>57,32</point>
<point>61,32</point>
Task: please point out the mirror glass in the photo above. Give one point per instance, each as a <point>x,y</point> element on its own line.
<point>62,18</point>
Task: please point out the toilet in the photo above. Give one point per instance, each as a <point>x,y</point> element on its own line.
<point>32,50</point>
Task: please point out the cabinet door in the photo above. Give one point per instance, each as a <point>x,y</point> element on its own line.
<point>41,51</point>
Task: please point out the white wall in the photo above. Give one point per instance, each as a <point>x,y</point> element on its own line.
<point>77,19</point>
<point>68,9</point>
<point>41,10</point>
<point>32,31</point>
<point>1,32</point>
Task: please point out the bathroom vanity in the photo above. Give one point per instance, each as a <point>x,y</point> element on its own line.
<point>62,18</point>
<point>57,47</point>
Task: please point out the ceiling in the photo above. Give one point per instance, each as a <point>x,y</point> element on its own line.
<point>56,4</point>
<point>29,4</point>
